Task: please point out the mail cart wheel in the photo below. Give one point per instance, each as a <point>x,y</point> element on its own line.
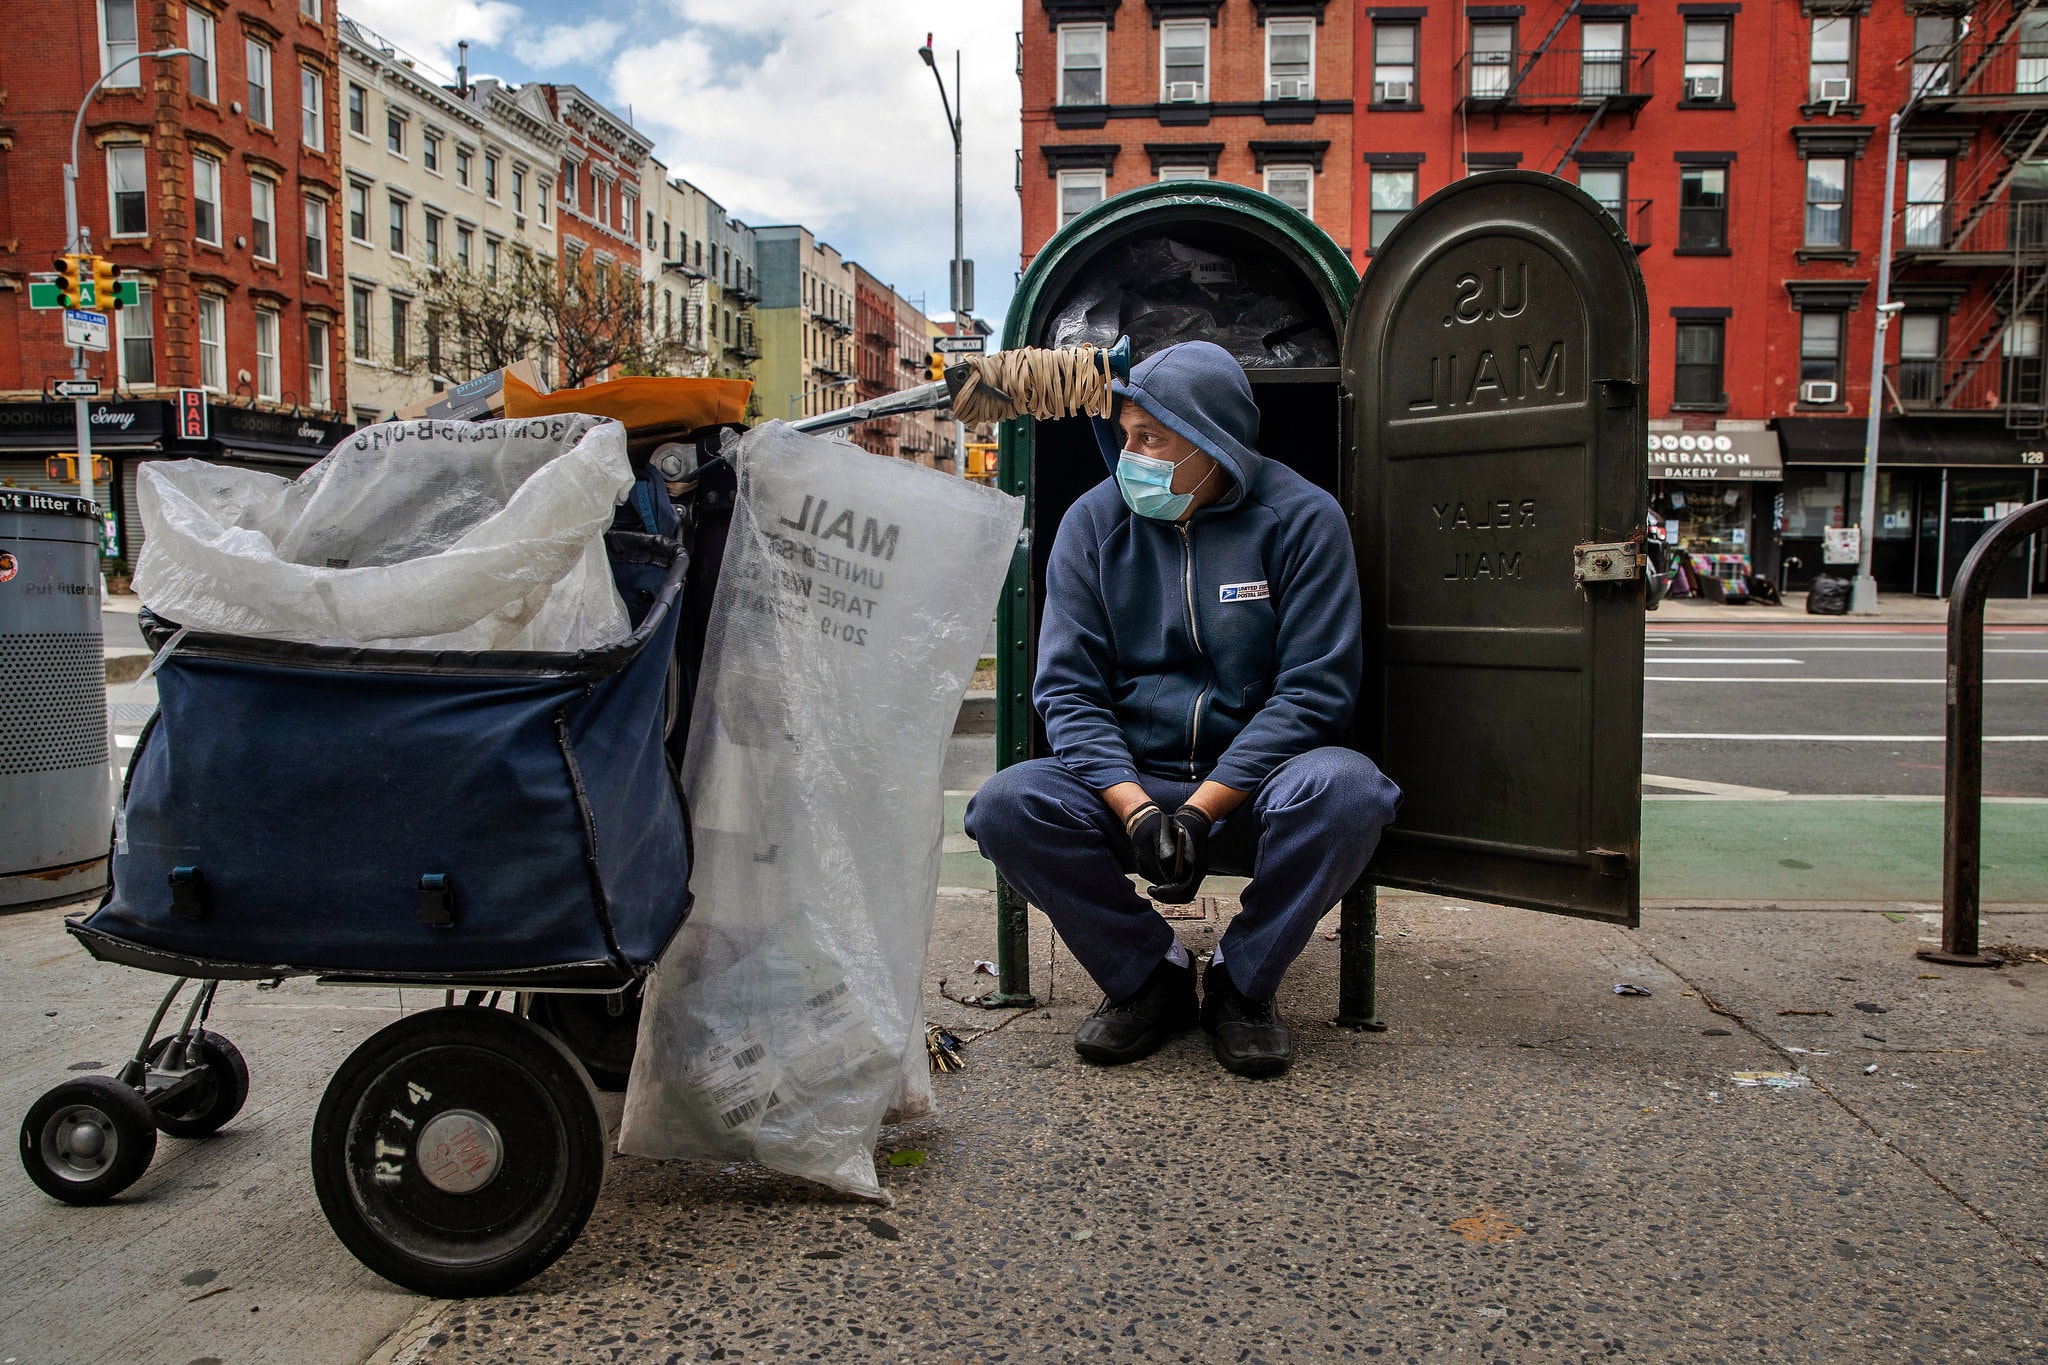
<point>459,1151</point>
<point>221,1088</point>
<point>600,1029</point>
<point>87,1140</point>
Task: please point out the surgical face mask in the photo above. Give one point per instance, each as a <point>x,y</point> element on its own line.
<point>1147,486</point>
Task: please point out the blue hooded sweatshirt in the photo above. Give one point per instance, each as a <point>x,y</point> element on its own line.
<point>1216,648</point>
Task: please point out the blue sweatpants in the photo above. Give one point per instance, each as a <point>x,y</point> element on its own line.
<point>1303,838</point>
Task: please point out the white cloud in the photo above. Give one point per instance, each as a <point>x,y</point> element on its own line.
<point>819,112</point>
<point>430,31</point>
<point>563,44</point>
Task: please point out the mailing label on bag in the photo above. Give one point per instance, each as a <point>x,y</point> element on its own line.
<point>736,1079</point>
<point>1243,592</point>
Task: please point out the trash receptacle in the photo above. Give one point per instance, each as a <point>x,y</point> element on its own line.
<point>1480,412</point>
<point>54,798</point>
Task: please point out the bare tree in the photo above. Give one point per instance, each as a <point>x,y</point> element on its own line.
<point>581,318</point>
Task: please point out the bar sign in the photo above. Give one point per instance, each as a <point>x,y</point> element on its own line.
<point>193,424</point>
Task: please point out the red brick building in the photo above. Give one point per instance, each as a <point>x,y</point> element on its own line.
<point>1124,92</point>
<point>213,183</point>
<point>598,189</point>
<point>874,357</point>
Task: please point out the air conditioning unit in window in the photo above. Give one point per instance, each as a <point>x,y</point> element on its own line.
<point>1703,88</point>
<point>1183,92</point>
<point>1820,391</point>
<point>1834,90</point>
<point>1395,92</point>
<point>1293,88</point>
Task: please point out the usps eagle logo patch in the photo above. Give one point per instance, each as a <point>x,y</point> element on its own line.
<point>1243,592</point>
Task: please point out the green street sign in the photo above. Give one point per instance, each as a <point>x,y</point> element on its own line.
<point>127,294</point>
<point>44,296</point>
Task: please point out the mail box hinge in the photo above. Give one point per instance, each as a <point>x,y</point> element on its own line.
<point>1611,562</point>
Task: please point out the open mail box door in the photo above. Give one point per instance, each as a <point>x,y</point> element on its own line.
<point>1494,371</point>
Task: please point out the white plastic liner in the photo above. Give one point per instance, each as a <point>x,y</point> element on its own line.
<point>408,535</point>
<point>787,1018</point>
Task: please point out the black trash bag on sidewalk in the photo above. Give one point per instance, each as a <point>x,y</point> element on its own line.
<point>1829,596</point>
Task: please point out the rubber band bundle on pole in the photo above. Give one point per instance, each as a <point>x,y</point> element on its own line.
<point>1032,382</point>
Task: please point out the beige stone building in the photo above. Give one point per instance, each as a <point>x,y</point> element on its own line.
<point>805,322</point>
<point>435,177</point>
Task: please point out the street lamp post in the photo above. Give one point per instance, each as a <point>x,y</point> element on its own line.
<point>962,272</point>
<point>75,241</point>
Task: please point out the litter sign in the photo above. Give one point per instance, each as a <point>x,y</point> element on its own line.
<point>84,328</point>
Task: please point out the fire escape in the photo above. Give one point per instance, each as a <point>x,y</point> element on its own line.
<point>1585,84</point>
<point>1972,248</point>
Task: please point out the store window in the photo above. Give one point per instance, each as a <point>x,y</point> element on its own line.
<point>1831,60</point>
<point>1393,195</point>
<point>1493,58</point>
<point>1696,381</point>
<point>1827,196</point>
<point>1705,518</point>
<point>1393,61</point>
<point>1082,47</point>
<point>1812,501</point>
<point>1703,208</point>
<point>1079,191</point>
<point>1706,60</point>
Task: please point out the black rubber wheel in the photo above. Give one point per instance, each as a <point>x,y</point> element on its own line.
<point>87,1140</point>
<point>220,1094</point>
<point>459,1151</point>
<point>601,1040</point>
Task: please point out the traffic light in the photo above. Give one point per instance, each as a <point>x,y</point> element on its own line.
<point>937,367</point>
<point>64,469</point>
<point>104,290</point>
<point>70,285</point>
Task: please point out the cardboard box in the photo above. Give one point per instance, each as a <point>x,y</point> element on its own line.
<point>475,400</point>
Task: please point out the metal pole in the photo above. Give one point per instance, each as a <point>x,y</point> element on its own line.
<point>960,314</point>
<point>1863,596</point>
<point>1358,960</point>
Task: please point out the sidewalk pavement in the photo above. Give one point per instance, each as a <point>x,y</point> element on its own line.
<point>1524,1167</point>
<point>1893,609</point>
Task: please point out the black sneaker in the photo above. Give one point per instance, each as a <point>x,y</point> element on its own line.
<point>1125,1030</point>
<point>1247,1034</point>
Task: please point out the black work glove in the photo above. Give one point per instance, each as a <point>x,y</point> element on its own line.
<point>1152,843</point>
<point>1189,829</point>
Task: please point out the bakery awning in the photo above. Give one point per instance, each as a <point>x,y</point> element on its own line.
<point>1706,456</point>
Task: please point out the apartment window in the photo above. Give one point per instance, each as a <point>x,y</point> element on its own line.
<point>1827,196</point>
<point>213,359</point>
<point>1183,172</point>
<point>1290,59</point>
<point>491,259</point>
<point>394,133</point>
<point>206,200</point>
<point>397,225</point>
<point>316,235</point>
<point>1703,208</point>
<point>433,239</point>
<point>1831,60</point>
<point>312,109</point>
<point>267,384</point>
<point>568,184</point>
<point>359,213</point>
<point>118,44</point>
<point>358,110</point>
<point>430,151</point>
<point>1393,195</point>
<point>462,167</point>
<point>138,339</point>
<point>1706,60</point>
<point>310,9</point>
<point>317,393</point>
<point>1079,191</point>
<point>127,191</point>
<point>2020,370</point>
<point>262,219</point>
<point>1293,186</point>
<point>359,322</point>
<point>1184,61</point>
<point>540,201</point>
<point>401,329</point>
<point>2028,195</point>
<point>1697,378</point>
<point>2031,69</point>
<point>1926,201</point>
<point>464,242</point>
<point>519,200</point>
<point>491,176</point>
<point>1603,57</point>
<point>1934,37</point>
<point>1493,59</point>
<point>199,39</point>
<point>1919,373</point>
<point>1820,348</point>
<point>258,106</point>
<point>1607,186</point>
<point>1393,62</point>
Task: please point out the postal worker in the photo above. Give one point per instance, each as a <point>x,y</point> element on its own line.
<point>1198,665</point>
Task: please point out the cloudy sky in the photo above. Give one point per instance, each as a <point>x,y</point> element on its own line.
<point>810,111</point>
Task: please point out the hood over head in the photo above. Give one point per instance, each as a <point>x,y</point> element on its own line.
<point>1200,391</point>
